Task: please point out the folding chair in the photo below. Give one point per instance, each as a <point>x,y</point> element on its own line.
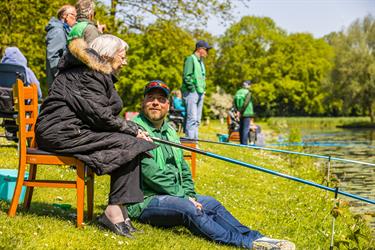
<point>8,75</point>
<point>27,115</point>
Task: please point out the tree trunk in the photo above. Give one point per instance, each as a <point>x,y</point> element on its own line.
<point>372,111</point>
<point>113,7</point>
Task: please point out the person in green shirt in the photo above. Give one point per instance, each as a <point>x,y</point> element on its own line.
<point>85,27</point>
<point>170,198</point>
<point>244,106</point>
<point>193,88</point>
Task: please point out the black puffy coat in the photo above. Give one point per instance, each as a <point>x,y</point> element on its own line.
<point>80,115</point>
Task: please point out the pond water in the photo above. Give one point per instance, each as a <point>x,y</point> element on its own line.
<point>353,144</point>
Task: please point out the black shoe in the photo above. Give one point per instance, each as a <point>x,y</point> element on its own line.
<point>131,228</point>
<point>119,228</point>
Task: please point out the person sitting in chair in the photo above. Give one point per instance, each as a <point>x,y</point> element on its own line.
<point>178,103</point>
<point>80,118</point>
<point>170,197</point>
<point>14,56</point>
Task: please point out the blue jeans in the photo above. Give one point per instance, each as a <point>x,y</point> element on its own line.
<point>244,130</point>
<point>194,106</point>
<point>213,221</point>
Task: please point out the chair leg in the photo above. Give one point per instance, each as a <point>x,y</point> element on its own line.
<point>90,193</point>
<point>30,190</point>
<point>17,191</point>
<point>80,193</point>
<point>193,164</point>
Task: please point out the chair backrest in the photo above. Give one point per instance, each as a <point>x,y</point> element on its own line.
<point>26,104</point>
<point>9,73</point>
<point>8,76</point>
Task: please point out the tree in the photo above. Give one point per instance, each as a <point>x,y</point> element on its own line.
<point>157,54</point>
<point>288,69</point>
<point>353,77</point>
<point>135,13</point>
<point>307,62</point>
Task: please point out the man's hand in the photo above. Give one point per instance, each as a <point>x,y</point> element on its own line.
<point>101,27</point>
<point>238,115</point>
<point>196,203</point>
<point>143,135</point>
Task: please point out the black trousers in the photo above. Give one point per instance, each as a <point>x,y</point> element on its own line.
<point>126,184</point>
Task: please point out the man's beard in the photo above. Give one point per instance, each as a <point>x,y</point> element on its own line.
<point>155,115</point>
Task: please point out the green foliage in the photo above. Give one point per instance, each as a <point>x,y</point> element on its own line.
<point>352,85</point>
<point>289,69</point>
<point>157,54</point>
<point>189,13</point>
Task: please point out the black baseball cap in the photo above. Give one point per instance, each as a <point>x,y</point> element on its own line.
<point>202,44</point>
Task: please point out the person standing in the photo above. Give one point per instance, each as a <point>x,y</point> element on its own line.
<point>57,35</point>
<point>244,107</point>
<point>85,27</point>
<point>193,87</point>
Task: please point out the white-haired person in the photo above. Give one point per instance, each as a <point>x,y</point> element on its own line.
<point>80,117</point>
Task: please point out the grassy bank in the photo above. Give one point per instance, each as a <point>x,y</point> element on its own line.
<point>320,122</point>
<point>277,207</point>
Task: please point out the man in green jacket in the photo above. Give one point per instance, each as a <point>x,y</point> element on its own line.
<point>193,88</point>
<point>244,106</point>
<point>169,195</point>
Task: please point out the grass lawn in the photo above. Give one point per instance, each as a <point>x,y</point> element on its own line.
<point>277,207</point>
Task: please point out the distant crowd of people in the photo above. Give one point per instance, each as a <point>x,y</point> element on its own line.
<point>149,182</point>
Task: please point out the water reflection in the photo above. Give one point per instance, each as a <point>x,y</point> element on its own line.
<point>354,144</point>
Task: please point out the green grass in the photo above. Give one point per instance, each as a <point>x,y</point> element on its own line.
<point>320,122</point>
<point>277,207</point>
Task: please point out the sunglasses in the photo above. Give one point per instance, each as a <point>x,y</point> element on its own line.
<point>157,84</point>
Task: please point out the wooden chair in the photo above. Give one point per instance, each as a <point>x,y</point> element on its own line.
<point>27,115</point>
<point>192,156</point>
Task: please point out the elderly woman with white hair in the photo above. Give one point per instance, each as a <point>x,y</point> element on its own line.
<point>80,117</point>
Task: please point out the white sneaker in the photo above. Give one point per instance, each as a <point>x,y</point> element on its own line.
<point>266,243</point>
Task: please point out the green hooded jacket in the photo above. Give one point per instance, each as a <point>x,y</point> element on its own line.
<point>239,101</point>
<point>194,75</point>
<point>166,173</point>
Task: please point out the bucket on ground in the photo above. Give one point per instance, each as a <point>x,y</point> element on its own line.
<point>8,179</point>
<point>222,137</point>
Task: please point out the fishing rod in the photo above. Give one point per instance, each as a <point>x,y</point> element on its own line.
<point>223,158</point>
<point>285,151</point>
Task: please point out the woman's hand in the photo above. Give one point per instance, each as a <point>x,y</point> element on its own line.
<point>143,135</point>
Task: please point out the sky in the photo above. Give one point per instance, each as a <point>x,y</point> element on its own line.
<point>319,17</point>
